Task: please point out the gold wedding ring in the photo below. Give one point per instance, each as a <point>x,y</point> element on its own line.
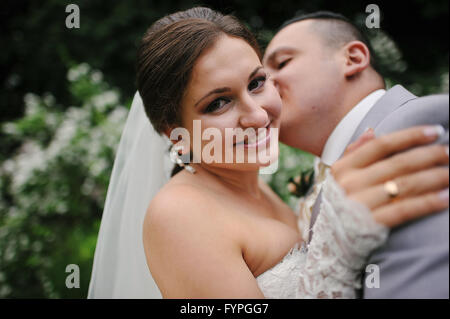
<point>391,188</point>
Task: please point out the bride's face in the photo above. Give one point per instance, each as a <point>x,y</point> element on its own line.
<point>230,92</point>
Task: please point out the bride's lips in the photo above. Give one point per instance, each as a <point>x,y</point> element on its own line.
<point>260,143</point>
<point>257,143</point>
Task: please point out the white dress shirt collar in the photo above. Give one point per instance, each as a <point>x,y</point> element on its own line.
<point>343,132</point>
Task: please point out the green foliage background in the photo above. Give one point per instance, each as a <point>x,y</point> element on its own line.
<point>65,97</point>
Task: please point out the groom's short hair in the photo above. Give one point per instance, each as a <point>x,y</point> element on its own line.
<point>335,30</point>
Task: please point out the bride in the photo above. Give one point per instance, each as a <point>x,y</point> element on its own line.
<point>214,229</point>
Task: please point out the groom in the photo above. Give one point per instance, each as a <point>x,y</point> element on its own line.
<point>332,92</point>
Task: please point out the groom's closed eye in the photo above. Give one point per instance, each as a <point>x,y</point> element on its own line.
<point>282,64</point>
<point>281,55</point>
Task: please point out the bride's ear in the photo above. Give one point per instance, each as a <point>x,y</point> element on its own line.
<point>167,132</point>
<point>357,58</point>
<point>180,137</point>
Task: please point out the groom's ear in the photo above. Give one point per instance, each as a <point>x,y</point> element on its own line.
<point>357,58</point>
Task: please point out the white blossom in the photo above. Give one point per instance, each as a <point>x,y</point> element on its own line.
<point>96,76</point>
<point>31,103</point>
<point>76,72</point>
<point>9,128</point>
<point>106,98</point>
<point>30,158</point>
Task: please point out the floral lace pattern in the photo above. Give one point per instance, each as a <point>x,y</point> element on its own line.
<point>345,233</point>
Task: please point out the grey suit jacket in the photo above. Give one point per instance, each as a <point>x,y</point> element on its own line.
<point>414,262</point>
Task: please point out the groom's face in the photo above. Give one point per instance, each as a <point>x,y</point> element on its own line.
<point>307,75</point>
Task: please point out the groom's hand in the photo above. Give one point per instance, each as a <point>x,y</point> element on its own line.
<point>368,135</point>
<point>402,158</point>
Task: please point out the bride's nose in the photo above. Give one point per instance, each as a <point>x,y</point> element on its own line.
<point>253,115</point>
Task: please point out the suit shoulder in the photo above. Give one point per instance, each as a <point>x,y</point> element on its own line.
<point>426,103</point>
<point>434,99</point>
<point>426,110</point>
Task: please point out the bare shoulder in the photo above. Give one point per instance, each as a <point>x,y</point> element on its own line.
<point>191,246</point>
<point>182,216</point>
<point>180,203</point>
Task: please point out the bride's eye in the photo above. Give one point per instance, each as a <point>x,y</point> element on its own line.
<point>257,83</point>
<point>216,105</point>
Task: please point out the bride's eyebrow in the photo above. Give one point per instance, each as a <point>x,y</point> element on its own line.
<point>254,72</point>
<point>215,91</point>
<point>226,89</point>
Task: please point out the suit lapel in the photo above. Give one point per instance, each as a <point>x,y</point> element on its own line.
<point>314,213</point>
<point>388,103</point>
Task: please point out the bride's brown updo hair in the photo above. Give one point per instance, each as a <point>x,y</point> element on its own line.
<point>168,52</point>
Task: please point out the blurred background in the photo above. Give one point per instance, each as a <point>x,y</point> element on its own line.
<point>64,98</point>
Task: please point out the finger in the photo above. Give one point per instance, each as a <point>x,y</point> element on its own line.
<point>368,135</point>
<point>415,184</point>
<point>386,145</point>
<point>414,160</point>
<point>400,212</point>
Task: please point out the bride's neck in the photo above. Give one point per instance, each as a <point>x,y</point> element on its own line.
<point>237,180</point>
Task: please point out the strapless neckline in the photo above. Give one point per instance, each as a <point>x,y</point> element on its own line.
<point>280,281</point>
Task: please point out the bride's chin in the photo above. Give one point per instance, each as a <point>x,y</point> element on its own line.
<point>244,166</point>
<point>258,164</point>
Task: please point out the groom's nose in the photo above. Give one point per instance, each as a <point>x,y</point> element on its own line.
<point>277,85</point>
<point>275,81</point>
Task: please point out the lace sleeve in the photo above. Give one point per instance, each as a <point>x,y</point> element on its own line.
<point>344,235</point>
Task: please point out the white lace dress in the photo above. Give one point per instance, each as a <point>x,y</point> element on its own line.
<point>345,233</point>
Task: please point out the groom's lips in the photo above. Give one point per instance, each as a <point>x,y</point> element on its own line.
<point>255,141</point>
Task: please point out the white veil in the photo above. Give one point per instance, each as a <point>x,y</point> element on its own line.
<point>141,167</point>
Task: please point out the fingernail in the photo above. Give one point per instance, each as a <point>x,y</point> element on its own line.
<point>369,131</point>
<point>436,130</point>
<point>443,195</point>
